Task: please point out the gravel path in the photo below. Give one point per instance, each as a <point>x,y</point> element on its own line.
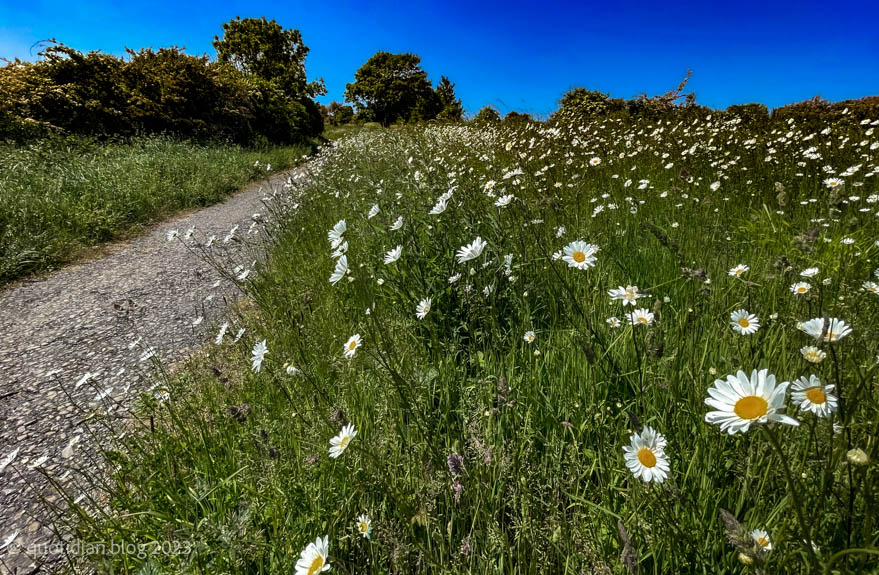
<point>103,318</point>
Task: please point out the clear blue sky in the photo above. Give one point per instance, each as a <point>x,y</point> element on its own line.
<point>516,55</point>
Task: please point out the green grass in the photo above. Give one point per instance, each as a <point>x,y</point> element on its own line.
<point>60,196</point>
<point>539,427</point>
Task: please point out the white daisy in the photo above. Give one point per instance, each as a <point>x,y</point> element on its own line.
<point>530,336</point>
<point>800,288</point>
<point>340,270</point>
<point>339,443</point>
<point>613,322</point>
<point>313,558</point>
<point>809,272</point>
<point>423,308</point>
<point>504,201</point>
<point>831,329</point>
<point>259,352</point>
<point>762,539</point>
<point>810,395</point>
<point>393,255</point>
<point>645,456</point>
<point>812,354</point>
<point>335,234</point>
<point>871,287</point>
<point>641,316</point>
<point>580,255</point>
<point>627,295</point>
<point>351,345</point>
<point>364,525</point>
<point>738,270</point>
<point>454,278</point>
<point>398,223</point>
<point>373,212</point>
<point>471,251</point>
<point>741,401</point>
<point>743,322</point>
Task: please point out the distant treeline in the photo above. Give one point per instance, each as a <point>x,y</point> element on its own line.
<point>256,91</point>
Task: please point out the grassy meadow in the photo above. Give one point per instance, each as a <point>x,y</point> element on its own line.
<point>489,350</point>
<point>61,196</point>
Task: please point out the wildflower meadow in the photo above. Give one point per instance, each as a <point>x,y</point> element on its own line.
<point>591,345</point>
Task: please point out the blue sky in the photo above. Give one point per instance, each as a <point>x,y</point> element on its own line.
<point>517,55</point>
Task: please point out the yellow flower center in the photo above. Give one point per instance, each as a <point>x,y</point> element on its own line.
<point>316,565</point>
<point>816,395</point>
<point>579,257</point>
<point>802,289</point>
<point>830,336</point>
<point>629,296</point>
<point>751,407</point>
<point>764,542</point>
<point>642,319</point>
<point>343,443</point>
<point>363,527</point>
<point>352,346</point>
<point>744,322</point>
<point>646,457</point>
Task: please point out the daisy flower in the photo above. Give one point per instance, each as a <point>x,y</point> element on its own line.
<point>738,270</point>
<point>530,336</point>
<point>834,330</point>
<point>641,316</point>
<point>871,287</point>
<point>313,558</point>
<point>335,234</point>
<point>595,161</point>
<point>398,223</point>
<point>340,271</point>
<point>810,395</point>
<point>743,322</point>
<point>504,201</point>
<point>613,322</point>
<point>259,354</point>
<point>422,309</point>
<point>393,255</point>
<point>741,401</point>
<point>833,183</point>
<point>762,539</point>
<point>364,525</point>
<point>373,212</point>
<point>800,288</point>
<point>454,278</point>
<point>627,295</point>
<point>812,354</point>
<point>809,272</point>
<point>351,345</point>
<point>471,251</point>
<point>645,456</point>
<point>580,255</point>
<point>339,443</point>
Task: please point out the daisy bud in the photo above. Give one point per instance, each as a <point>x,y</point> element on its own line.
<point>745,559</point>
<point>857,456</point>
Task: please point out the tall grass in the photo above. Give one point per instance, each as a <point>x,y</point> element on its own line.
<point>479,451</point>
<point>60,196</point>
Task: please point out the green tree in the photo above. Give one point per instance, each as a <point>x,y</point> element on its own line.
<point>264,49</point>
<point>452,110</point>
<point>391,87</point>
<point>272,61</point>
<point>339,114</point>
<point>487,115</point>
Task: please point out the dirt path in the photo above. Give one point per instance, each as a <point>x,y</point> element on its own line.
<point>102,318</point>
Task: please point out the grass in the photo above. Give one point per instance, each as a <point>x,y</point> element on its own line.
<point>477,451</point>
<point>58,197</point>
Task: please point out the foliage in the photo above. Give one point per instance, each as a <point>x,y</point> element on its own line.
<point>487,115</point>
<point>60,196</point>
<point>451,108</point>
<point>750,113</point>
<point>392,87</point>
<point>481,450</point>
<point>256,92</point>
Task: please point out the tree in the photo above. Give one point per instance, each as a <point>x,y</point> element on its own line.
<point>452,110</point>
<point>264,49</point>
<point>339,114</point>
<point>272,61</point>
<point>391,87</point>
<point>487,115</point>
